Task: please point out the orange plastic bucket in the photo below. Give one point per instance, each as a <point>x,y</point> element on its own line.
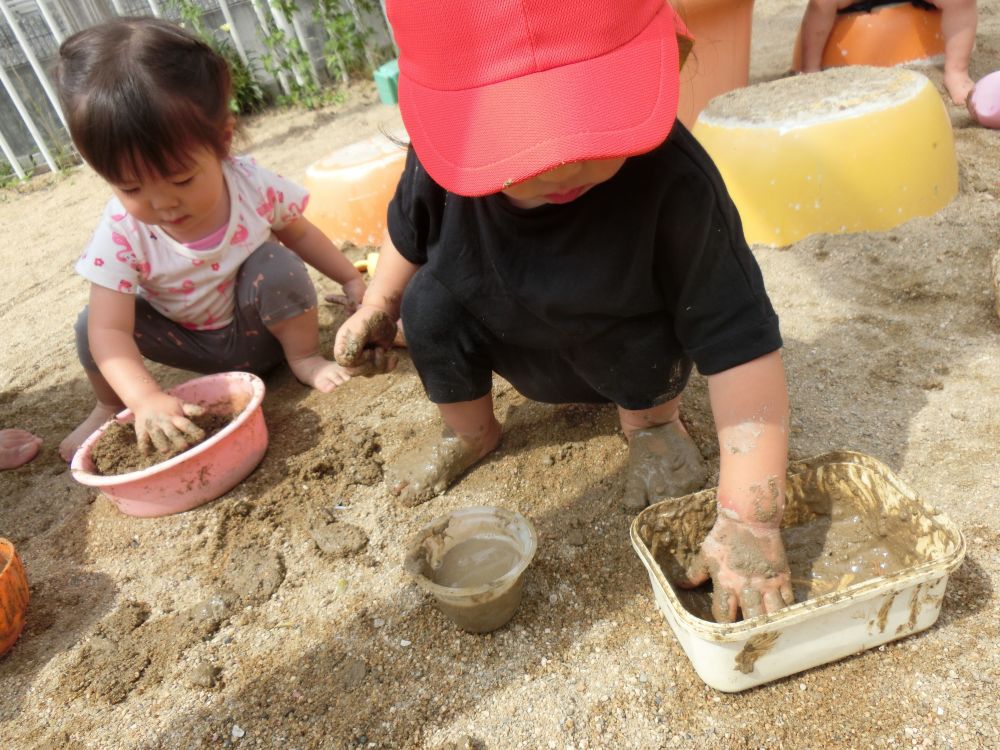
<point>13,595</point>
<point>885,36</point>
<point>350,189</point>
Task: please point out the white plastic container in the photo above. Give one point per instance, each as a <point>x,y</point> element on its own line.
<point>735,656</point>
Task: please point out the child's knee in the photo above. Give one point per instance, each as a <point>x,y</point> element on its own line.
<point>275,281</point>
<point>430,311</point>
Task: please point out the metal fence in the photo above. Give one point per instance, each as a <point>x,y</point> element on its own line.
<point>33,135</point>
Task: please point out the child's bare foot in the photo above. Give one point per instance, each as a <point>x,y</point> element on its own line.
<point>959,86</point>
<point>663,462</point>
<point>17,447</point>
<point>102,413</point>
<point>319,373</point>
<point>430,469</point>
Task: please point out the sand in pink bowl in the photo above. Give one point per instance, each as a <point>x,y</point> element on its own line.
<point>200,474</point>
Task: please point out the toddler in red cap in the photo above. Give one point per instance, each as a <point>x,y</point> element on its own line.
<point>556,225</point>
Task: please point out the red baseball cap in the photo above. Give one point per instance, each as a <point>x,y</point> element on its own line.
<point>493,92</point>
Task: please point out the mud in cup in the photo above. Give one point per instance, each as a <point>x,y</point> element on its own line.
<point>472,561</point>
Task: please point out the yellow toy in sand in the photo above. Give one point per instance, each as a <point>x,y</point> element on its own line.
<point>852,149</point>
<point>368,264</point>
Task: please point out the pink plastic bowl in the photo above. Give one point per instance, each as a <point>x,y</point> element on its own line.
<point>200,474</point>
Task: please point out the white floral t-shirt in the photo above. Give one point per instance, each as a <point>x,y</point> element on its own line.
<point>192,287</point>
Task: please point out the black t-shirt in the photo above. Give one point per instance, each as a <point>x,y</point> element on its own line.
<point>660,239</point>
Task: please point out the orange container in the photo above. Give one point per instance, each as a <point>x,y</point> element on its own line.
<point>350,189</point>
<point>885,36</point>
<point>13,595</point>
<point>720,59</point>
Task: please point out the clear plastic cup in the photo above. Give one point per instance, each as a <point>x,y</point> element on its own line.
<point>472,561</point>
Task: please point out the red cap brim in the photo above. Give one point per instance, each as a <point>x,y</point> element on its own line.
<point>478,141</point>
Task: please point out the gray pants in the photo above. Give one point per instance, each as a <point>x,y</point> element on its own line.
<point>272,285</point>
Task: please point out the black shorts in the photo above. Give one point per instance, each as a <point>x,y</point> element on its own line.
<point>635,364</point>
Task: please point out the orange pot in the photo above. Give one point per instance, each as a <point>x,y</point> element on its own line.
<point>350,189</point>
<point>886,36</point>
<point>13,595</point>
<point>720,59</point>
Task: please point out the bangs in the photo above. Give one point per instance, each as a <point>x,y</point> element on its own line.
<point>125,135</point>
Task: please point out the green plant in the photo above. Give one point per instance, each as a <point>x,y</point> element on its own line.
<point>287,61</point>
<point>248,95</point>
<point>349,48</point>
<point>7,175</point>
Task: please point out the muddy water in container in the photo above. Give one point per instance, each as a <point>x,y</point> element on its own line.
<point>472,561</point>
<point>869,558</point>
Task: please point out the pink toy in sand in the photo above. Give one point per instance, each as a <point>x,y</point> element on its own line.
<point>201,473</point>
<point>984,101</point>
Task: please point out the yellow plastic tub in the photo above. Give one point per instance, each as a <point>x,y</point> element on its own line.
<point>851,149</point>
<point>865,607</point>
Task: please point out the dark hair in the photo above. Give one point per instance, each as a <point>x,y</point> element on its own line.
<point>140,94</point>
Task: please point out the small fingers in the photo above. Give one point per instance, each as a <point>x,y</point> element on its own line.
<point>373,362</point>
<point>143,441</point>
<point>191,432</point>
<point>724,604</point>
<point>772,602</point>
<point>175,438</point>
<point>160,441</point>
<point>787,593</point>
<point>337,299</point>
<point>696,574</point>
<point>751,603</point>
<point>349,348</point>
<point>193,410</point>
<point>383,360</point>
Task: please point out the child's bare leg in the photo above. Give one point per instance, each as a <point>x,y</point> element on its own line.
<point>817,23</point>
<point>471,432</point>
<point>17,447</point>
<point>663,461</point>
<point>299,339</point>
<point>958,26</point>
<point>108,404</point>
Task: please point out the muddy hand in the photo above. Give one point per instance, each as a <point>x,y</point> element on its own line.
<point>354,292</point>
<point>662,463</point>
<point>748,569</point>
<point>364,340</point>
<point>163,423</point>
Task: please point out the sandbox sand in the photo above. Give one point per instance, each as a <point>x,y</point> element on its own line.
<point>280,616</point>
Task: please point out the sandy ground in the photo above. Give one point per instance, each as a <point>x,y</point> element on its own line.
<point>229,627</point>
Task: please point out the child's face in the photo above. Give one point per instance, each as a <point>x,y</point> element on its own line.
<point>188,205</point>
<point>564,183</point>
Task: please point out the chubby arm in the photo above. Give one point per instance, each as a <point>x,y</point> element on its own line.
<point>363,340</point>
<point>160,419</point>
<point>392,275</point>
<point>306,240</point>
<point>743,553</point>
